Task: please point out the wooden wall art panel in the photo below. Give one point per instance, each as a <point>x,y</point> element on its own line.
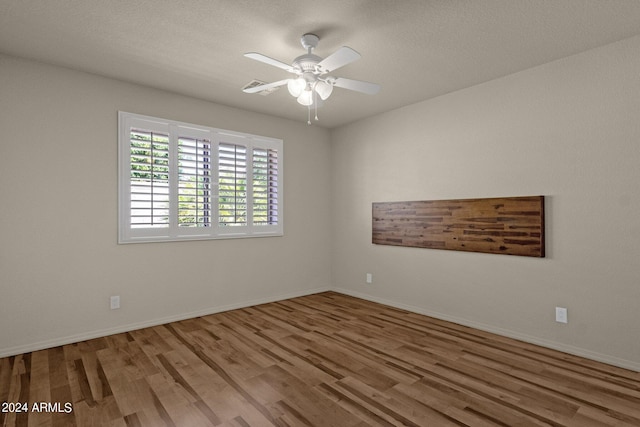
<point>503,225</point>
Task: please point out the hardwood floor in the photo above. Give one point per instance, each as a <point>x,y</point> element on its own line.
<point>321,360</point>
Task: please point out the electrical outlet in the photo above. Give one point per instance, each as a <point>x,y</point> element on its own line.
<point>115,302</point>
<point>369,278</point>
<point>561,315</point>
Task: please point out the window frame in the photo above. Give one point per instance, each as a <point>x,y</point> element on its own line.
<point>174,231</point>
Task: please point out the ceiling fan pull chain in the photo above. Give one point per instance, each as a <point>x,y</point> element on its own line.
<point>315,103</point>
<point>309,115</point>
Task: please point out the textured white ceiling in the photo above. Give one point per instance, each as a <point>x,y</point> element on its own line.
<point>415,49</point>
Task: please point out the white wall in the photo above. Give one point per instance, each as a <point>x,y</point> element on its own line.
<point>569,130</point>
<point>59,260</point>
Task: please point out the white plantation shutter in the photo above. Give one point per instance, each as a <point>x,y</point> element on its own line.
<point>149,167</point>
<point>232,184</point>
<point>179,181</point>
<point>265,188</point>
<point>194,182</point>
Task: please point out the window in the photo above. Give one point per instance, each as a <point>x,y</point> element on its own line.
<point>179,181</point>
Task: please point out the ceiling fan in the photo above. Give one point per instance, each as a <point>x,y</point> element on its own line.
<point>312,83</point>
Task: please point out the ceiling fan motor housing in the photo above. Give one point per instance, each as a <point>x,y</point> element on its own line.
<point>307,62</point>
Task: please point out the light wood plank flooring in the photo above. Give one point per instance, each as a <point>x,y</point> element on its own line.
<point>321,360</point>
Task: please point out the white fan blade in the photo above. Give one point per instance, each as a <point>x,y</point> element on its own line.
<point>260,88</point>
<point>343,56</point>
<point>263,58</point>
<point>357,85</point>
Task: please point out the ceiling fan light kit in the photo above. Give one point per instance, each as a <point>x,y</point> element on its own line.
<point>313,85</point>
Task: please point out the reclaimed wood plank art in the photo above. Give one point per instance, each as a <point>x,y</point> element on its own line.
<point>502,225</point>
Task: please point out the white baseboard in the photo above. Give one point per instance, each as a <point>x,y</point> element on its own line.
<point>70,339</point>
<point>58,341</point>
<point>588,354</point>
